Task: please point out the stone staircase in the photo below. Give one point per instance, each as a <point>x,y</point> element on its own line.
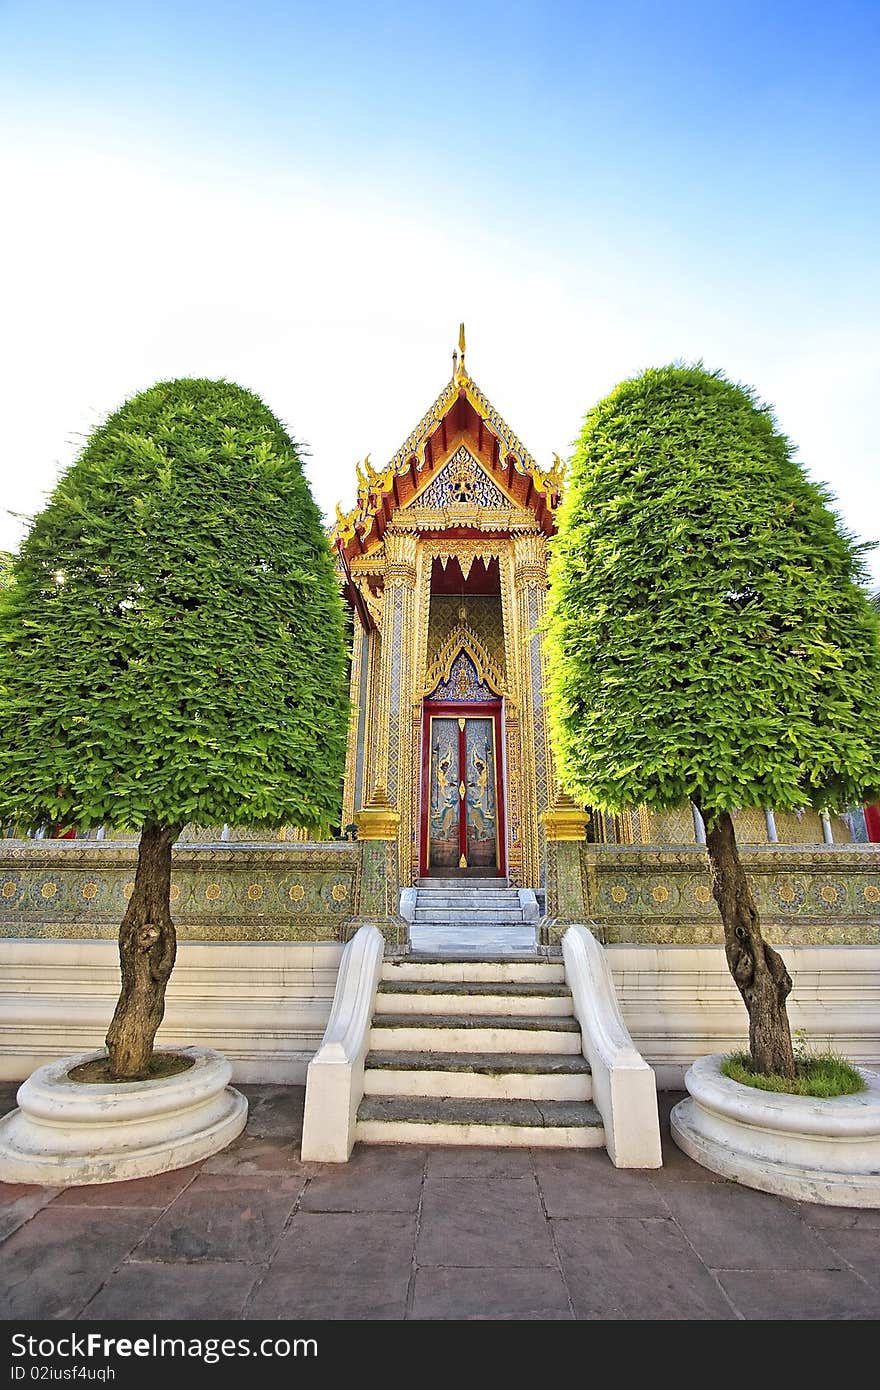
<point>480,914</point>
<point>468,1051</point>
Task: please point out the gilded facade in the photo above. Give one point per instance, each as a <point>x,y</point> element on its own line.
<point>444,562</point>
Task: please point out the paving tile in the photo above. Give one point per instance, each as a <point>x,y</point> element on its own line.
<point>157,1191</point>
<point>666,1102</point>
<point>621,1268</point>
<point>352,1265</point>
<point>678,1167</point>
<point>861,1249</point>
<point>455,1162</point>
<point>251,1156</point>
<point>483,1223</point>
<point>143,1290</point>
<point>259,1091</point>
<point>19,1201</point>
<point>842,1218</point>
<point>239,1221</point>
<point>735,1227</point>
<point>55,1263</point>
<point>372,1180</point>
<point>278,1116</point>
<point>586,1183</point>
<point>292,1182</point>
<point>468,1294</point>
<point>8,1091</point>
<point>801,1294</point>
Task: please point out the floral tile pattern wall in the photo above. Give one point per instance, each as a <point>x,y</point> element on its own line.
<point>270,892</point>
<point>817,894</point>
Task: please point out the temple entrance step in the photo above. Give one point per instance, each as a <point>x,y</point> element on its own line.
<point>475,942</point>
<point>453,1120</point>
<point>422,965</point>
<point>428,1032</point>
<point>467,917</point>
<point>533,998</point>
<point>487,1076</point>
<point>445,897</point>
<point>480,915</point>
<point>466,1051</point>
<point>472,882</point>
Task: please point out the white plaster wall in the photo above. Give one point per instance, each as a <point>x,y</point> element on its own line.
<point>266,1004</point>
<point>263,1004</point>
<point>679,1002</point>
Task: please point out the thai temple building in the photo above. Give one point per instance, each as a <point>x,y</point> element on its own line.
<point>444,560</point>
<point>444,563</point>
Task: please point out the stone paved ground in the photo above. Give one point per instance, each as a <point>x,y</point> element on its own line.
<point>427,1233</point>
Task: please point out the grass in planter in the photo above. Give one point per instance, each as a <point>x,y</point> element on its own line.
<point>820,1074</point>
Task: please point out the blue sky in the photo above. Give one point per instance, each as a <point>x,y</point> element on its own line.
<point>308,198</point>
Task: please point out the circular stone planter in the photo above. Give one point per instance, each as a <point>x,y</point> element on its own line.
<point>806,1147</point>
<point>71,1132</point>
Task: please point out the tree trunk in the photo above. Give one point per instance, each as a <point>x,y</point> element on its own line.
<point>147,948</point>
<point>758,970</point>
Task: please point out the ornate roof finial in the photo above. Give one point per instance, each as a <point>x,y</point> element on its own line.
<point>459,371</point>
<point>366,473</point>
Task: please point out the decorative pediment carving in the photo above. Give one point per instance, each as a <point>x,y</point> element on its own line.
<point>461,483</point>
<point>463,639</point>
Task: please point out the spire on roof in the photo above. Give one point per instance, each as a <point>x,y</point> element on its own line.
<point>459,371</point>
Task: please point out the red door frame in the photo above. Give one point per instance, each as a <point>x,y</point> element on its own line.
<point>455,709</point>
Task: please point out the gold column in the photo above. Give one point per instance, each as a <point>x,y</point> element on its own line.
<point>409,855</point>
<point>517,799</point>
<point>530,586</point>
<point>569,897</point>
<point>377,901</point>
<point>372,774</point>
<point>351,752</point>
<point>514,788</point>
<point>394,740</point>
<point>565,820</point>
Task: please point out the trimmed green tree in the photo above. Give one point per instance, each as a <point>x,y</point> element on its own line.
<point>171,651</point>
<point>709,640</point>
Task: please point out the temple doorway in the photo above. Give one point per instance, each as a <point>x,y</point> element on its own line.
<point>462,822</point>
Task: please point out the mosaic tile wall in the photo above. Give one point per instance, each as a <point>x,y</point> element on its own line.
<point>271,892</point>
<point>644,894</point>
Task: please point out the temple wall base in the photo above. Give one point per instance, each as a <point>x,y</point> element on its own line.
<point>265,1005</point>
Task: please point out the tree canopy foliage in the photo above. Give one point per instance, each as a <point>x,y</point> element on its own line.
<point>709,637</point>
<point>171,643</point>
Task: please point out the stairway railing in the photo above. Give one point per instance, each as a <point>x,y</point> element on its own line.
<point>335,1078</point>
<point>624,1086</point>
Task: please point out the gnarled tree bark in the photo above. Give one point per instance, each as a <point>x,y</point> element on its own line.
<point>147,950</point>
<point>758,970</point>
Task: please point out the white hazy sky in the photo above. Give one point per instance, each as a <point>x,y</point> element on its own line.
<point>289,229</point>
